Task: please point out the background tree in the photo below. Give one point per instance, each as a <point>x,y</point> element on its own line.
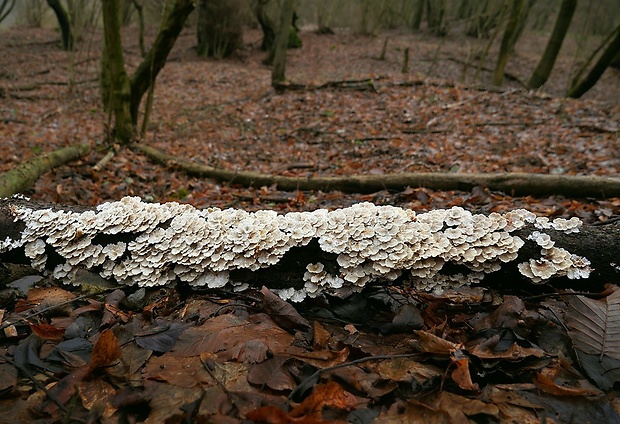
<point>418,12</point>
<point>63,22</point>
<point>279,51</point>
<point>580,86</point>
<point>6,6</point>
<point>517,13</point>
<point>122,94</point>
<point>266,25</point>
<point>435,14</point>
<point>543,69</point>
<point>220,29</point>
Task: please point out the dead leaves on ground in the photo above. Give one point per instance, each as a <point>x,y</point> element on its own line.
<point>257,358</point>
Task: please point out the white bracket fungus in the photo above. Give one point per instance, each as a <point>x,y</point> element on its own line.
<point>156,244</point>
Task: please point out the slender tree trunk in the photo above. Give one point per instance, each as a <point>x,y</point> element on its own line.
<point>279,51</point>
<point>418,11</point>
<point>156,57</point>
<point>266,25</point>
<point>140,8</point>
<point>63,22</point>
<point>435,13</point>
<point>579,88</point>
<point>543,70</point>
<point>118,98</point>
<point>6,6</point>
<point>508,41</point>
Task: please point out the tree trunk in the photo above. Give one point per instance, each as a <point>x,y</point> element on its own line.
<point>279,51</point>
<point>305,254</point>
<point>6,6</point>
<point>543,70</point>
<point>219,30</point>
<point>25,175</point>
<point>579,88</point>
<point>140,8</point>
<point>510,183</point>
<point>435,14</point>
<point>117,93</point>
<point>155,59</point>
<point>63,22</point>
<point>418,12</point>
<point>121,94</point>
<point>508,41</point>
<point>266,25</point>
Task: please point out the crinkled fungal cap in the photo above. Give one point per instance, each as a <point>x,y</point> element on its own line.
<point>161,243</point>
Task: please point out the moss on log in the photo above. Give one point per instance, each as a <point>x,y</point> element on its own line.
<point>25,175</point>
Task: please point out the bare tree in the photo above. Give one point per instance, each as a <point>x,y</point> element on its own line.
<point>542,71</point>
<point>6,6</point>
<point>279,51</point>
<point>220,30</point>
<point>63,22</point>
<point>266,25</point>
<point>123,94</point>
<point>611,49</point>
<point>509,39</point>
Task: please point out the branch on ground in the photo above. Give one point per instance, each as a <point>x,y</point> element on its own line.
<point>25,175</point>
<point>509,183</point>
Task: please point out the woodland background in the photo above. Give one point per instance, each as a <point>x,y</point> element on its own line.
<point>351,104</point>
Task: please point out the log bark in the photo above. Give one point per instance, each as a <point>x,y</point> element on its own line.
<point>509,183</point>
<point>25,175</point>
<point>306,254</point>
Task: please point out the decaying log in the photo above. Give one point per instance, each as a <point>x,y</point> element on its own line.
<point>25,175</point>
<point>305,253</point>
<point>509,183</point>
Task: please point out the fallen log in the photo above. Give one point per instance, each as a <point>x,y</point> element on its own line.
<point>509,183</point>
<point>304,254</point>
<point>25,175</point>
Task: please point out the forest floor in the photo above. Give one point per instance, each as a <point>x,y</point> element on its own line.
<point>225,114</point>
<point>468,359</point>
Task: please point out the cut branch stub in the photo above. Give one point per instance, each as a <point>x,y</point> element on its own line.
<point>305,253</point>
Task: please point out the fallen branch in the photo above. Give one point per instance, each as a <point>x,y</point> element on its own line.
<point>510,183</point>
<point>303,254</point>
<point>104,160</point>
<point>25,175</point>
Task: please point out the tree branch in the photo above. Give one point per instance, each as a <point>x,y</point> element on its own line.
<point>510,183</point>
<point>25,175</point>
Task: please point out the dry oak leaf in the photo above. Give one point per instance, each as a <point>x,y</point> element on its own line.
<point>595,332</point>
<point>107,350</point>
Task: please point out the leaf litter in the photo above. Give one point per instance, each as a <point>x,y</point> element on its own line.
<point>385,355</point>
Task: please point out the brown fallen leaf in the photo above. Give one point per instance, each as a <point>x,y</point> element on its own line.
<point>430,343</point>
<point>107,350</point>
<point>47,331</point>
<point>595,331</point>
<point>461,374</point>
<point>547,385</point>
<point>282,312</point>
<point>54,298</point>
<point>330,395</point>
